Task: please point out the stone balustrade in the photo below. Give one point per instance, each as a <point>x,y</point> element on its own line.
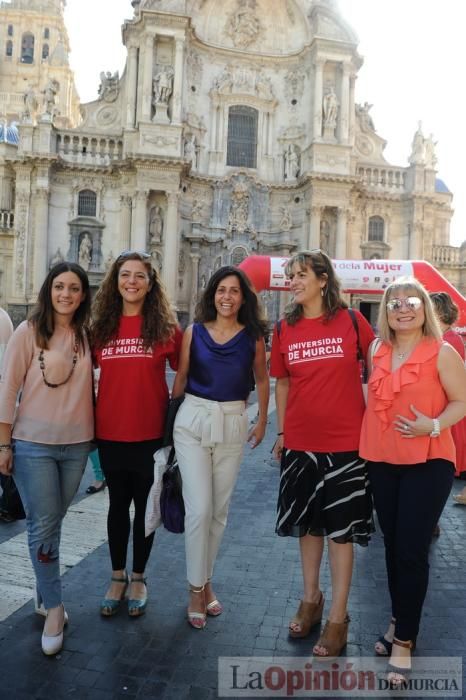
<point>7,219</point>
<point>383,179</point>
<point>89,149</point>
<point>446,255</point>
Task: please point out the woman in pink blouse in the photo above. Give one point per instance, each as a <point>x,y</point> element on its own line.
<point>45,441</point>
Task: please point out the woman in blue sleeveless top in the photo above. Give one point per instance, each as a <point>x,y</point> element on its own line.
<point>222,354</point>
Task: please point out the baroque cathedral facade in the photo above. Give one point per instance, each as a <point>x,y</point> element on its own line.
<point>234,130</point>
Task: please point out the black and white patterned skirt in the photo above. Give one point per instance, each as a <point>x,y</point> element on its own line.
<point>325,493</point>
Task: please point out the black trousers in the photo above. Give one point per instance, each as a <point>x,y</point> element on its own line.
<point>128,468</point>
<point>409,501</point>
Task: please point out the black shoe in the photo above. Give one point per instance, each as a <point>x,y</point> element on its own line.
<point>94,489</point>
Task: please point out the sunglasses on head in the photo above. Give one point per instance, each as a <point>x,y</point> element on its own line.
<point>411,303</point>
<point>128,253</point>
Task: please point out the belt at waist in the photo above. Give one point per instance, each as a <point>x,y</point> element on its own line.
<point>212,431</point>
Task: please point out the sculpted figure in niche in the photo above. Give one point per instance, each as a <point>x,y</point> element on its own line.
<point>429,146</point>
<point>191,150</point>
<point>286,222</point>
<point>365,120</point>
<point>330,108</point>
<point>292,165</point>
<point>57,258</point>
<point>30,103</point>
<point>163,85</point>
<point>324,235</point>
<point>85,252</point>
<point>51,89</point>
<point>156,225</point>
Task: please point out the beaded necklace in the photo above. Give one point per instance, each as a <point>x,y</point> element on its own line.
<point>73,365</point>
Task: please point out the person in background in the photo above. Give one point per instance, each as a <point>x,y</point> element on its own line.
<point>320,404</point>
<point>6,331</point>
<point>45,442</point>
<point>222,352</point>
<point>99,479</point>
<point>416,392</point>
<point>134,334</point>
<point>447,315</point>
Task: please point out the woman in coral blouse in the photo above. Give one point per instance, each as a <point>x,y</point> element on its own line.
<point>416,392</point>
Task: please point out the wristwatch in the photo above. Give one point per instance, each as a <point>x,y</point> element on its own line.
<point>436,431</point>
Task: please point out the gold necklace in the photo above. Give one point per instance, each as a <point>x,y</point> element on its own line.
<point>73,365</point>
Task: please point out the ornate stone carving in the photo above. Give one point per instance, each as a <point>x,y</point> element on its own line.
<point>364,118</point>
<point>191,150</point>
<point>292,162</point>
<point>48,98</point>
<point>194,68</point>
<point>294,83</point>
<point>30,104</point>
<point>156,225</point>
<point>243,26</point>
<point>109,86</point>
<point>163,84</point>
<point>85,252</point>
<point>417,156</point>
<point>159,140</point>
<point>239,209</point>
<point>286,221</point>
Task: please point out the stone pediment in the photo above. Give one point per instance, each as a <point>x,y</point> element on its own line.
<point>277,27</point>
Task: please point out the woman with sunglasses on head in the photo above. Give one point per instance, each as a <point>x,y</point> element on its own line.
<point>222,353</point>
<point>416,392</point>
<point>320,405</point>
<point>447,314</point>
<point>45,440</point>
<point>134,334</point>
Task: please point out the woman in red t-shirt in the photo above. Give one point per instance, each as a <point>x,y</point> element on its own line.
<point>133,335</point>
<point>447,314</point>
<point>320,406</point>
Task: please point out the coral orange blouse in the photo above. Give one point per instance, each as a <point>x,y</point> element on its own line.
<point>416,382</point>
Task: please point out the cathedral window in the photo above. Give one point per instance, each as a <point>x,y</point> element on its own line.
<point>87,203</point>
<point>242,137</point>
<point>27,48</point>
<point>46,33</point>
<point>10,30</point>
<point>45,51</point>
<point>376,229</point>
<point>9,48</point>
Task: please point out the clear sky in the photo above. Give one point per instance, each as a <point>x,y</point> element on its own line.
<point>412,71</point>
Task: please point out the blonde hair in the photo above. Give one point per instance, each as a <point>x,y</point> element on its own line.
<point>430,328</point>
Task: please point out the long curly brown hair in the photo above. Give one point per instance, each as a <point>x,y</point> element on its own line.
<point>158,319</point>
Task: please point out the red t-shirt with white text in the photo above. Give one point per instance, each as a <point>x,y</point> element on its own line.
<point>133,394</point>
<point>325,402</point>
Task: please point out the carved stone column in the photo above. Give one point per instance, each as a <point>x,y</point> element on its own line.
<point>178,81</point>
<point>314,229</point>
<point>345,103</point>
<point>213,127</point>
<point>352,114</point>
<point>170,246</point>
<point>131,86</point>
<point>318,97</point>
<point>125,222</point>
<point>41,224</point>
<point>139,223</point>
<point>340,247</point>
<point>146,105</point>
<point>195,257</point>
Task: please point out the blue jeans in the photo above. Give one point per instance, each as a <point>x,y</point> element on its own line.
<point>47,478</point>
<point>96,468</point>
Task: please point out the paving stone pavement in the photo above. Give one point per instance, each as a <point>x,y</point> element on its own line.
<point>258,579</point>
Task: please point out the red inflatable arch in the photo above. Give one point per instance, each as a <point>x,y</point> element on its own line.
<point>358,277</point>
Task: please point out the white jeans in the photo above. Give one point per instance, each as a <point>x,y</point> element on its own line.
<point>209,440</point>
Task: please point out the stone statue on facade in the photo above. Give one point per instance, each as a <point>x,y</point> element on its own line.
<point>239,209</point>
<point>49,93</point>
<point>30,103</point>
<point>163,85</point>
<point>56,259</point>
<point>156,225</point>
<point>292,165</point>
<point>286,220</point>
<point>324,241</point>
<point>191,150</point>
<point>109,86</point>
<point>85,252</point>
<point>330,108</point>
<point>365,120</point>
<point>431,158</point>
<point>417,156</point>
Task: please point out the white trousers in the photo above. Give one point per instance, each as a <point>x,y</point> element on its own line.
<point>209,439</point>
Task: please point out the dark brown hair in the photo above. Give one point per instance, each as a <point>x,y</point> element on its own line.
<point>321,265</point>
<point>250,314</point>
<point>445,307</point>
<point>42,316</point>
<point>158,319</point>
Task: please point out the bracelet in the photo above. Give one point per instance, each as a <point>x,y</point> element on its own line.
<point>5,448</point>
<point>280,434</point>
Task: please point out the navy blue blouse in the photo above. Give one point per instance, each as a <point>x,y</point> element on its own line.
<point>220,372</point>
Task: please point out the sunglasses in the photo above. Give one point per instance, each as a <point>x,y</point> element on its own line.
<point>128,253</point>
<point>411,303</point>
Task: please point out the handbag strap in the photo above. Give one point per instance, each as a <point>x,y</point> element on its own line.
<point>360,355</point>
